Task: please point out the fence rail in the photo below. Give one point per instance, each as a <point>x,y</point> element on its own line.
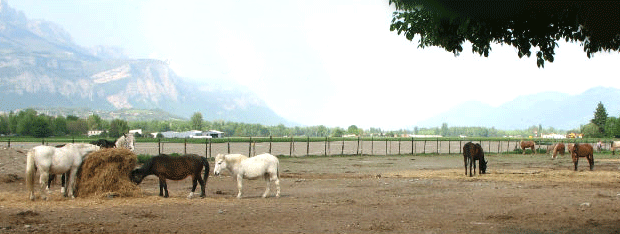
<point>299,146</point>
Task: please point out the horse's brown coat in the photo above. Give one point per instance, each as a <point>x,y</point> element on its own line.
<point>528,144</point>
<point>585,151</point>
<point>559,148</point>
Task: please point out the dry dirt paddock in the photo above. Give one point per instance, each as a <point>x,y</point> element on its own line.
<point>379,194</point>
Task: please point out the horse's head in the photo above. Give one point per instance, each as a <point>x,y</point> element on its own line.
<point>136,176</point>
<point>220,163</point>
<point>483,166</point>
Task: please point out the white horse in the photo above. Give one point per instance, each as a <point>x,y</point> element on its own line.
<point>614,145</point>
<point>263,165</point>
<point>51,160</point>
<point>126,141</point>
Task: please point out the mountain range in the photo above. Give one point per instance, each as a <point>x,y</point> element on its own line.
<point>549,109</point>
<point>41,67</point>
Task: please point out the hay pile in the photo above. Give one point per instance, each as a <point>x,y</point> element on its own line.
<point>106,173</point>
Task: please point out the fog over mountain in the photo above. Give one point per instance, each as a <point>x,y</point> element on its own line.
<point>549,109</point>
<point>41,66</point>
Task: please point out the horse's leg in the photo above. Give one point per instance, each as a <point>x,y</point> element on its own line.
<point>267,178</point>
<point>465,162</point>
<point>576,162</point>
<point>591,161</point>
<point>203,184</point>
<point>239,184</point>
<point>63,181</point>
<point>194,184</point>
<point>49,182</point>
<point>42,180</point>
<point>71,185</point>
<point>163,187</point>
<point>276,180</point>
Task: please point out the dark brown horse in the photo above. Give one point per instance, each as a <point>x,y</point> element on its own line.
<point>528,144</point>
<point>583,151</point>
<point>104,143</point>
<point>471,153</point>
<point>174,168</point>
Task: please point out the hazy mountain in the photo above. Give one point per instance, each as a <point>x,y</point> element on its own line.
<point>41,66</point>
<point>549,109</point>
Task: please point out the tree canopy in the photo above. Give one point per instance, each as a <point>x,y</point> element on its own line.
<point>523,24</point>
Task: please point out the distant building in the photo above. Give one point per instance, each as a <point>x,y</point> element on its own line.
<point>94,133</point>
<point>190,134</point>
<point>134,131</point>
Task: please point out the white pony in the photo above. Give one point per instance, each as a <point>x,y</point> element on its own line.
<point>51,160</point>
<point>263,165</point>
<point>125,141</point>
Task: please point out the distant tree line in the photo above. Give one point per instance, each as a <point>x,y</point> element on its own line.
<point>29,123</point>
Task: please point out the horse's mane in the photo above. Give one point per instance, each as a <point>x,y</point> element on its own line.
<point>235,157</point>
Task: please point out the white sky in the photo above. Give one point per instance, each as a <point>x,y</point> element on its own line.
<point>314,62</point>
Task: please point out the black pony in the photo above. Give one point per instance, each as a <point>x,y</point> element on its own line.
<point>471,153</point>
<point>104,143</point>
<point>174,168</point>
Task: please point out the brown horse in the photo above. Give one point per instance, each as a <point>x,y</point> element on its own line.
<point>559,148</point>
<point>174,168</point>
<point>585,151</point>
<point>528,144</point>
<point>471,153</point>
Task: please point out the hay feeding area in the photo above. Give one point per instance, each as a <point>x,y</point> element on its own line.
<point>106,173</point>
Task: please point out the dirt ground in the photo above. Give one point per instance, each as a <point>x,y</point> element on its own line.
<point>369,194</point>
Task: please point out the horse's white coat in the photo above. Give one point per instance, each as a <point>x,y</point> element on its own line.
<point>125,141</point>
<point>52,160</point>
<point>263,165</point>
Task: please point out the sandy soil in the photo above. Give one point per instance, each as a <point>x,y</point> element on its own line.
<point>380,194</point>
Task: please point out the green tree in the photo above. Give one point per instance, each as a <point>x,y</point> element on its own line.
<point>118,127</point>
<point>4,124</point>
<point>77,127</point>
<point>353,130</point>
<point>25,121</point>
<point>338,132</point>
<point>95,122</point>
<point>41,126</point>
<point>444,129</point>
<point>59,126</point>
<point>612,127</point>
<point>523,24</point>
<point>197,121</point>
<point>591,130</point>
<point>600,117</point>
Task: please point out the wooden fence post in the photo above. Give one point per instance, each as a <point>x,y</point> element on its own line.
<point>437,145</point>
<point>326,145</point>
<point>386,147</point>
<point>424,150</point>
<point>158,146</point>
<point>372,145</point>
<point>448,147</point>
<point>270,140</point>
<point>229,145</point>
<point>210,148</point>
<point>290,148</point>
<point>250,148</point>
<point>9,143</point>
<point>185,145</point>
<point>308,146</point>
<point>399,146</point>
<point>342,152</point>
<point>357,150</point>
<point>206,148</point>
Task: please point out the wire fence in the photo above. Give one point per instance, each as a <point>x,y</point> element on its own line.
<point>297,147</point>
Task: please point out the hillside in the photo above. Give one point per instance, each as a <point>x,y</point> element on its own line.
<point>549,109</point>
<point>41,67</point>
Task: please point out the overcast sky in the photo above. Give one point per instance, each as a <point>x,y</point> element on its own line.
<point>320,62</point>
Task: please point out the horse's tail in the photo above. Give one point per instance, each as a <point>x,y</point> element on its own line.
<point>205,162</point>
<point>30,170</point>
